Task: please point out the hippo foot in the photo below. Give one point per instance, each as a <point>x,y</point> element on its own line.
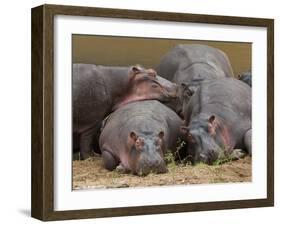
<point>109,162</point>
<point>121,169</point>
<point>85,155</point>
<point>85,144</point>
<point>237,154</point>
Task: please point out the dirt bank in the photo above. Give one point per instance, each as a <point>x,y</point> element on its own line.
<point>90,174</point>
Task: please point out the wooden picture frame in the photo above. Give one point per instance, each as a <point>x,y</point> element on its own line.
<point>42,203</point>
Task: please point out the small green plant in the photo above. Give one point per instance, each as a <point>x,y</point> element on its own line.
<point>169,158</point>
<point>180,144</point>
<point>218,162</point>
<point>180,149</point>
<point>224,156</point>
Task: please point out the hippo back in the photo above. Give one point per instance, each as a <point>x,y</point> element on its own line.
<point>149,116</point>
<point>186,56</point>
<point>89,95</point>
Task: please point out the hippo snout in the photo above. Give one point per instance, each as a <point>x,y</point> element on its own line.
<point>146,167</point>
<point>207,157</point>
<point>170,87</point>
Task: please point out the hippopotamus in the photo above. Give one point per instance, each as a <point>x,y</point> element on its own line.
<point>194,63</point>
<point>217,120</point>
<point>191,64</point>
<point>136,136</point>
<point>246,77</point>
<point>99,90</point>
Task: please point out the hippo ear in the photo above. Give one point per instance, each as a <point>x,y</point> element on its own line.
<point>136,69</point>
<point>184,129</point>
<point>161,135</point>
<point>133,136</point>
<point>212,125</point>
<point>212,119</point>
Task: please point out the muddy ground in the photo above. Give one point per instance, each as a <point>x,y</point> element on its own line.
<point>90,174</point>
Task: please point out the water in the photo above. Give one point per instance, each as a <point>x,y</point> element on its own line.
<point>125,51</point>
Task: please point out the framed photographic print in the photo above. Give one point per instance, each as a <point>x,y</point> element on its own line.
<point>141,112</point>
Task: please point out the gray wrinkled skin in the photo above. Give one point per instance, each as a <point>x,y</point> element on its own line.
<point>218,119</point>
<point>191,64</point>
<point>98,90</point>
<point>136,136</point>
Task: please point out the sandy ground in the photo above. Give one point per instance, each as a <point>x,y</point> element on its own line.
<point>90,174</point>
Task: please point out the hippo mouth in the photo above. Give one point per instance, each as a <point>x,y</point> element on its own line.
<point>146,168</point>
<point>143,173</point>
<point>208,158</point>
<point>171,94</point>
<point>169,97</point>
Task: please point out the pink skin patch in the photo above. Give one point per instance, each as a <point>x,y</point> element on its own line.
<point>143,91</point>
<point>223,133</point>
<point>225,137</point>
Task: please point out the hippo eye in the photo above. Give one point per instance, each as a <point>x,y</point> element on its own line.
<point>154,85</point>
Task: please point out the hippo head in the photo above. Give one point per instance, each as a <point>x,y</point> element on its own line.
<point>146,153</point>
<point>207,139</point>
<point>145,84</point>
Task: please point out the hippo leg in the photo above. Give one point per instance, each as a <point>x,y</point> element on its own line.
<point>108,159</point>
<point>248,141</point>
<point>86,143</point>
